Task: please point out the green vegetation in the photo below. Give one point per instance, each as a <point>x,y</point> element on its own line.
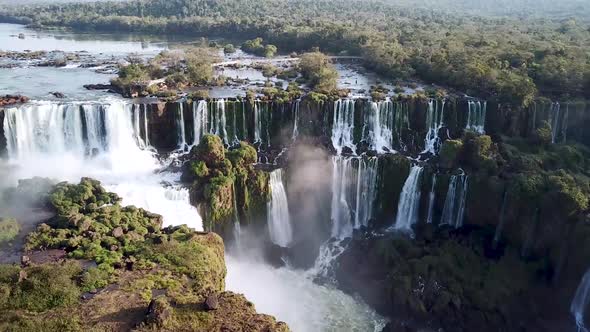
<point>134,258</point>
<point>510,58</point>
<point>9,229</point>
<point>317,69</point>
<point>219,178</point>
<point>256,46</point>
<point>178,69</point>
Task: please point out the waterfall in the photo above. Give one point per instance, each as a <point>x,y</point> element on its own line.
<point>181,129</point>
<point>144,142</point>
<point>354,182</point>
<point>379,126</point>
<point>476,116</point>
<point>74,129</point>
<point>580,303</point>
<point>431,198</point>
<point>200,120</point>
<point>257,123</point>
<point>295,120</point>
<point>409,201</point>
<point>454,208</point>
<point>500,226</point>
<point>343,125</point>
<point>219,121</point>
<point>279,222</point>
<point>434,123</point>
<point>102,141</point>
<point>366,191</point>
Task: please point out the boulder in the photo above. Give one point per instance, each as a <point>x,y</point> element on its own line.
<point>158,312</point>
<point>212,302</point>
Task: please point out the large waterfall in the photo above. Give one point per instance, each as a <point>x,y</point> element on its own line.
<point>476,116</point>
<point>454,208</point>
<point>354,182</point>
<point>579,305</point>
<point>434,122</point>
<point>279,221</point>
<point>66,141</point>
<point>409,200</point>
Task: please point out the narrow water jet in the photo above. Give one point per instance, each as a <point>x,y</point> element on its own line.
<point>200,120</point>
<point>279,221</point>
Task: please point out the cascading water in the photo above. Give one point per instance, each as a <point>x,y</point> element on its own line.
<point>69,141</point>
<point>409,200</point>
<point>279,221</point>
<point>379,126</point>
<point>580,303</point>
<point>434,122</point>
<point>200,120</point>
<point>354,180</point>
<point>454,208</point>
<point>295,120</point>
<point>476,116</point>
<point>431,198</point>
<point>219,121</point>
<point>181,128</point>
<point>343,125</point>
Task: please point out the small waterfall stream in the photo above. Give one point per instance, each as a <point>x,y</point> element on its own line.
<point>580,303</point>
<point>407,210</point>
<point>343,125</point>
<point>200,121</point>
<point>279,221</point>
<point>379,128</point>
<point>454,208</point>
<point>476,116</point>
<point>434,122</point>
<point>295,121</point>
<point>181,127</point>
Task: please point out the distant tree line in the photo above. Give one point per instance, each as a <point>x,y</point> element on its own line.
<point>512,59</point>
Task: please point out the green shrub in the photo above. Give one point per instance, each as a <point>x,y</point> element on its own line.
<point>9,229</point>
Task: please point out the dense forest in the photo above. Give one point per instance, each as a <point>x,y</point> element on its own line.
<point>512,59</point>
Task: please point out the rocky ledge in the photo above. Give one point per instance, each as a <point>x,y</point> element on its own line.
<point>96,265</point>
<point>8,100</point>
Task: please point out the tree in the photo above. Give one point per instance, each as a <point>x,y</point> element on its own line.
<point>317,69</point>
